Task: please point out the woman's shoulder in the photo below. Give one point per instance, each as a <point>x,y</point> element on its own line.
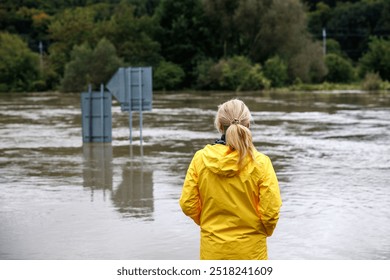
<point>262,160</point>
<point>260,156</point>
<point>203,151</point>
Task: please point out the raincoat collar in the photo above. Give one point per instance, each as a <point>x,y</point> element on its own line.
<point>221,141</point>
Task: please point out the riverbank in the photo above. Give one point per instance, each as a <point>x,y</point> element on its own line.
<point>357,86</point>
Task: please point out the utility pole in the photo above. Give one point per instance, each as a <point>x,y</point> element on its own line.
<point>40,46</point>
<point>324,40</point>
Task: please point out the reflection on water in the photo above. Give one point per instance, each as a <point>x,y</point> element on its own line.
<point>62,199</point>
<point>134,195</point>
<point>97,171</point>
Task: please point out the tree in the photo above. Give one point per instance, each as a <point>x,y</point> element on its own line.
<point>313,3</point>
<point>317,19</point>
<point>144,7</point>
<point>220,14</point>
<point>182,34</point>
<point>261,29</point>
<point>284,33</point>
<point>19,66</point>
<point>90,66</point>
<point>377,58</point>
<point>307,64</point>
<point>282,27</point>
<point>69,28</point>
<point>132,36</point>
<point>353,22</point>
<point>256,28</point>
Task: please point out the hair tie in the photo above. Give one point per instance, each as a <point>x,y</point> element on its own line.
<point>235,121</point>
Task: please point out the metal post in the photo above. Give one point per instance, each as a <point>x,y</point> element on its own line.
<point>90,121</point>
<point>140,102</point>
<point>40,46</point>
<point>102,111</point>
<point>140,108</point>
<point>103,157</point>
<point>128,75</point>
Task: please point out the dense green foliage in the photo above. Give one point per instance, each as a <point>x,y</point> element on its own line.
<point>202,44</point>
<point>237,73</point>
<point>167,76</point>
<point>340,70</point>
<point>377,58</point>
<point>19,66</point>
<point>90,66</point>
<point>275,69</point>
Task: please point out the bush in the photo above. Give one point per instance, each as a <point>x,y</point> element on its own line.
<point>235,73</point>
<point>255,79</point>
<point>205,75</point>
<point>377,59</point>
<point>167,76</point>
<point>340,70</point>
<point>275,70</point>
<point>371,82</point>
<point>39,85</point>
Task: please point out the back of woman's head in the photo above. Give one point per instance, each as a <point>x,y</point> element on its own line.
<point>233,119</point>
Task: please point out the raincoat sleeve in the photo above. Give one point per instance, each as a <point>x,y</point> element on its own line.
<point>269,198</point>
<point>190,199</point>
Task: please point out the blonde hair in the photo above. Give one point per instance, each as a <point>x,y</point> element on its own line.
<point>233,119</point>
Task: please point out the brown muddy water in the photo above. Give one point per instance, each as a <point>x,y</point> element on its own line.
<point>62,199</point>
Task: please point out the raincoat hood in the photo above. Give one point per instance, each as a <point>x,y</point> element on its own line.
<point>221,160</point>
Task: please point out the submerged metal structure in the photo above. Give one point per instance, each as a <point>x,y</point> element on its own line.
<point>132,87</point>
<point>96,116</point>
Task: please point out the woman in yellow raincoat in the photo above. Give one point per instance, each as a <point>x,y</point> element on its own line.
<point>231,191</point>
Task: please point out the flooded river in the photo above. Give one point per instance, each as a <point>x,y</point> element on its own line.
<point>62,199</point>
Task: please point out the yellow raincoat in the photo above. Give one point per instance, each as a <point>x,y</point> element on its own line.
<point>236,210</point>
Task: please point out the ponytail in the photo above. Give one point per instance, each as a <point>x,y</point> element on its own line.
<point>233,119</point>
